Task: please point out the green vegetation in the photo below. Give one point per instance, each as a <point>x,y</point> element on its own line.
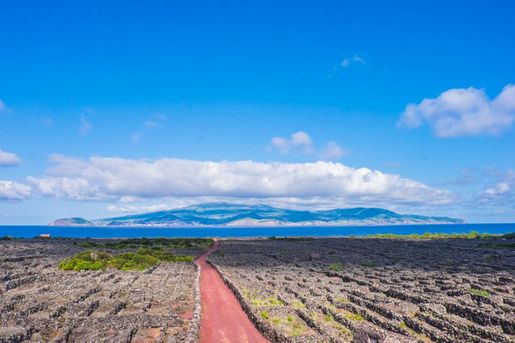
<point>264,315</point>
<point>342,300</point>
<point>276,320</point>
<point>134,243</point>
<point>268,302</point>
<point>336,267</point>
<point>479,292</point>
<point>429,235</point>
<point>368,264</point>
<point>412,332</point>
<point>6,238</point>
<point>142,259</point>
<point>354,316</point>
<point>297,304</point>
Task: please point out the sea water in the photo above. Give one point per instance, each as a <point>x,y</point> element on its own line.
<point>199,232</point>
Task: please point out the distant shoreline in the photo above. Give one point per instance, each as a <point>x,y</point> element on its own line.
<point>29,231</point>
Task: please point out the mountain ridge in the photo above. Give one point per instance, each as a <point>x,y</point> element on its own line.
<point>225,214</point>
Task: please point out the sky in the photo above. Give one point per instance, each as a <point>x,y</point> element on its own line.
<point>110,108</point>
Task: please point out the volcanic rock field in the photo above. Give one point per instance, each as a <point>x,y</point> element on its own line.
<point>41,303</point>
<point>292,289</point>
<point>373,290</point>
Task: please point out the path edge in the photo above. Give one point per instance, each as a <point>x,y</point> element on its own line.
<point>265,330</point>
<point>194,331</point>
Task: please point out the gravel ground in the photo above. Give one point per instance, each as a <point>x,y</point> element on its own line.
<point>39,302</point>
<point>373,290</point>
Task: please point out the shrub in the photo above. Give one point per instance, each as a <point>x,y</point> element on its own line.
<point>337,267</point>
<point>368,264</point>
<point>479,292</point>
<point>142,259</point>
<point>264,315</point>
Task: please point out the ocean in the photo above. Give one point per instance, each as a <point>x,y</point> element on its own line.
<point>225,232</point>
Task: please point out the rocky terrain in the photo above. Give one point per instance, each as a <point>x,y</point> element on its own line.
<point>40,302</point>
<point>374,290</point>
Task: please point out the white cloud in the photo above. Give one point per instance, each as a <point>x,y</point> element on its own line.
<point>301,142</point>
<point>346,63</point>
<point>3,106</point>
<point>462,112</point>
<point>8,159</point>
<point>10,191</point>
<point>332,151</point>
<point>504,188</point>
<point>85,125</point>
<point>498,189</point>
<point>99,178</point>
<point>298,142</point>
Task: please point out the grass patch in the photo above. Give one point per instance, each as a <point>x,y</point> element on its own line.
<point>342,300</point>
<point>479,292</point>
<point>429,235</point>
<point>354,316</point>
<point>268,302</point>
<point>297,304</point>
<point>142,259</point>
<point>336,267</point>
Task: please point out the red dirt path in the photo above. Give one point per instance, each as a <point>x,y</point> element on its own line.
<point>223,319</point>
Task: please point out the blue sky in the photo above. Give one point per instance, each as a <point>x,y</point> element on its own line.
<point>406,105</point>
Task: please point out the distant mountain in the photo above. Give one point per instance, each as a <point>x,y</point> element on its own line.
<point>71,222</point>
<point>222,214</point>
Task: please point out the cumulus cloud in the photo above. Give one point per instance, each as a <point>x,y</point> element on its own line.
<point>462,112</point>
<point>301,142</point>
<point>503,188</point>
<point>11,191</point>
<point>100,178</point>
<point>8,159</point>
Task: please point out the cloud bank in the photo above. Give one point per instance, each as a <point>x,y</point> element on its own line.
<point>8,159</point>
<point>463,112</point>
<point>100,178</point>
<point>11,191</point>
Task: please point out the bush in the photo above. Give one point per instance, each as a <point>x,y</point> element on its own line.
<point>140,260</point>
<point>337,267</point>
<point>479,292</point>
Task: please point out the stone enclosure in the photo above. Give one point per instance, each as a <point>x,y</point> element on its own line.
<point>373,290</point>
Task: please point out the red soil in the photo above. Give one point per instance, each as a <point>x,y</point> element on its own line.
<point>223,319</point>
